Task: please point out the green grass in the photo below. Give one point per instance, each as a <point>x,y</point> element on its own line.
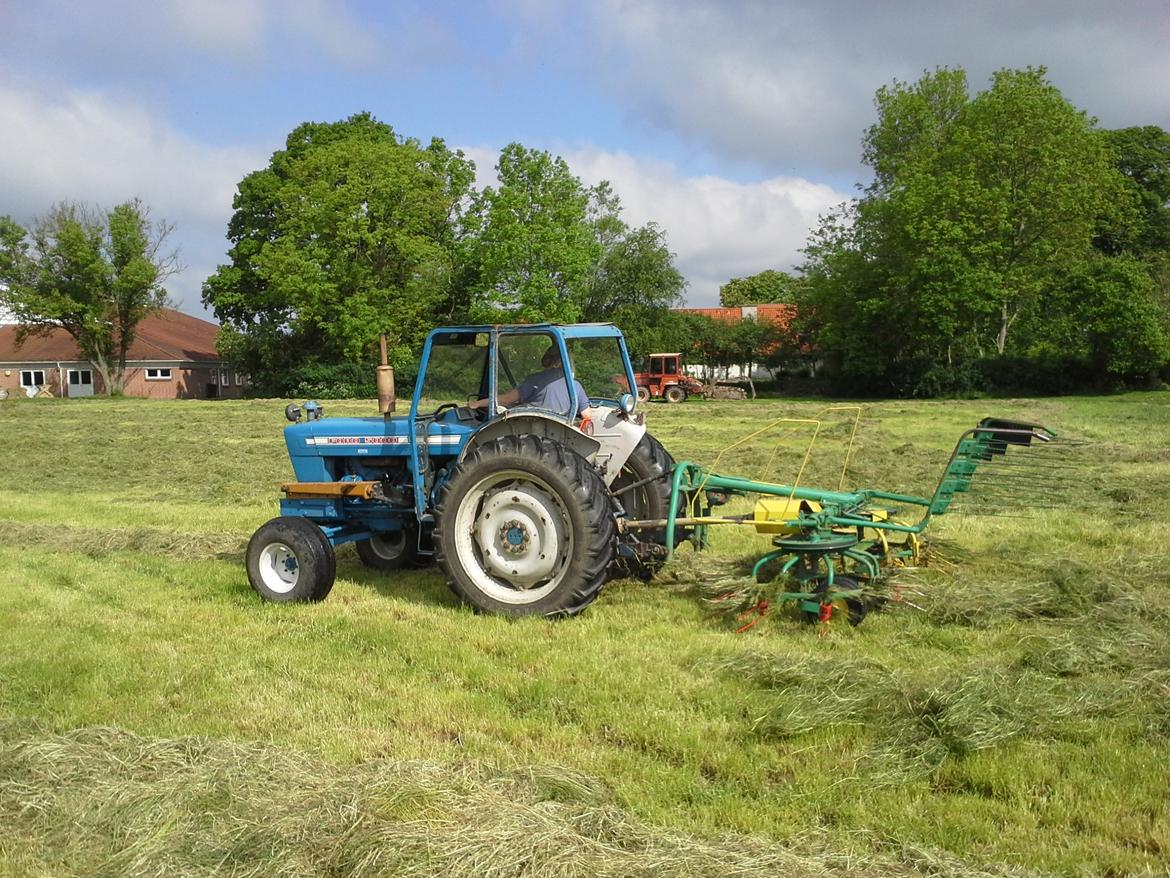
<point>1016,716</point>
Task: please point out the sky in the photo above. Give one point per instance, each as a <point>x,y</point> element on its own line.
<point>733,125</point>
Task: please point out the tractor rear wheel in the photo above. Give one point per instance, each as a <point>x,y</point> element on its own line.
<point>390,551</point>
<point>674,393</point>
<point>643,489</point>
<point>524,527</point>
<point>290,559</point>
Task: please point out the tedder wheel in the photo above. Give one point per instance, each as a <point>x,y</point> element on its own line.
<point>524,527</point>
<point>392,550</point>
<point>674,393</point>
<point>643,394</point>
<point>856,607</point>
<point>290,559</point>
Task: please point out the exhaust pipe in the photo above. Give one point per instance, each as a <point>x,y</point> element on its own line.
<point>385,380</point>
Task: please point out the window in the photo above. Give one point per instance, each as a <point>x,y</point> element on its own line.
<point>158,374</point>
<point>530,373</point>
<point>599,366</point>
<point>32,378</point>
<point>457,369</point>
<point>223,378</point>
<point>239,380</point>
<point>80,376</point>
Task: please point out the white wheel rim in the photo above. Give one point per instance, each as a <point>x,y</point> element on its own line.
<point>513,537</point>
<point>279,570</point>
<point>388,546</point>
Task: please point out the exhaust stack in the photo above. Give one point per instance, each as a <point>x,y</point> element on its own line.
<point>385,380</point>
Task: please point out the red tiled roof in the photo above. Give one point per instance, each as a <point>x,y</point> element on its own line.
<point>168,335</point>
<point>779,314</point>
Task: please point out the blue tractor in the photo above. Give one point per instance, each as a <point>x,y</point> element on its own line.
<point>520,455</point>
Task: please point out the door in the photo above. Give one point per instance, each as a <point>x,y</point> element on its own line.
<point>80,382</point>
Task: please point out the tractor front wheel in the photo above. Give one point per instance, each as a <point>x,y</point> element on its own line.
<point>290,559</point>
<point>524,527</point>
<point>674,393</point>
<point>643,394</point>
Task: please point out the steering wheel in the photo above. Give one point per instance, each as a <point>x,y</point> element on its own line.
<point>464,413</point>
<point>467,413</point>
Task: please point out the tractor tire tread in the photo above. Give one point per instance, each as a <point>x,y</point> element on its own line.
<point>585,497</point>
<point>314,552</point>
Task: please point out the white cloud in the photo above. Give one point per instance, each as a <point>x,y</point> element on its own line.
<point>790,85</point>
<point>718,228</point>
<point>234,27</point>
<point>159,38</point>
<point>331,27</point>
<point>85,146</point>
<point>258,30</point>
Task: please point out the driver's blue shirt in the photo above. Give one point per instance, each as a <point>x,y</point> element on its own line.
<point>549,390</point>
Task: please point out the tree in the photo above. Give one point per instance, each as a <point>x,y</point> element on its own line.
<point>95,275</point>
<point>351,231</point>
<point>977,209</point>
<point>530,241</point>
<point>1106,314</point>
<point>767,287</point>
<point>634,276</point>
<point>1142,155</point>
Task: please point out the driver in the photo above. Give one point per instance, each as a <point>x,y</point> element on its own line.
<point>546,389</point>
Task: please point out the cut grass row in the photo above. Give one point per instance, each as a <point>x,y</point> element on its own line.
<point>1018,718</point>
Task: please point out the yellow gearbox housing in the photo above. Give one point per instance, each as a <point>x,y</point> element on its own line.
<point>772,513</point>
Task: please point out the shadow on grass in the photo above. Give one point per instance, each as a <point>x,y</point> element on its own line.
<point>423,585</point>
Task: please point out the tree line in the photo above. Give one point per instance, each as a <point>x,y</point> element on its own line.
<point>353,231</point>
<point>1005,242</point>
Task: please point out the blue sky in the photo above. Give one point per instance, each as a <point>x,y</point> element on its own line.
<point>731,124</point>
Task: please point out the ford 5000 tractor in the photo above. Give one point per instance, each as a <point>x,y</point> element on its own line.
<point>521,452</point>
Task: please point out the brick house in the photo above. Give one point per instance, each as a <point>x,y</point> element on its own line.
<point>173,357</point>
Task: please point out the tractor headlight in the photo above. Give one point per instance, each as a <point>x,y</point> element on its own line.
<point>626,403</point>
<point>292,411</point>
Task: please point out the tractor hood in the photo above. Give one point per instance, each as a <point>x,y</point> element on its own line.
<point>311,443</point>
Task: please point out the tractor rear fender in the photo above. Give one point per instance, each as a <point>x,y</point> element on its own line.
<point>618,436</point>
<point>611,445</point>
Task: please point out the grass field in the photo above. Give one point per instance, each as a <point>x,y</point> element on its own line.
<point>157,718</point>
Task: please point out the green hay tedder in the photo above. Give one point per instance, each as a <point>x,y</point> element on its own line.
<point>831,547</point>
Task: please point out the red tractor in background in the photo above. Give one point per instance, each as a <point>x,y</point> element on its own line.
<point>661,376</point>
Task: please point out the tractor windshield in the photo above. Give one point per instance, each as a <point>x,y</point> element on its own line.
<point>456,368</point>
<point>530,374</point>
<point>599,365</point>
